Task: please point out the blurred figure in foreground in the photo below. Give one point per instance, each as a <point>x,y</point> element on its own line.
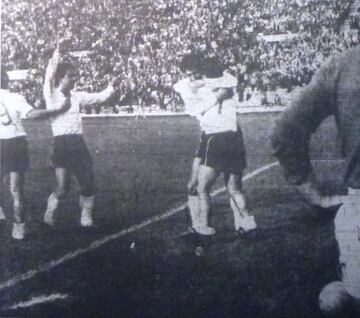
<point>333,90</point>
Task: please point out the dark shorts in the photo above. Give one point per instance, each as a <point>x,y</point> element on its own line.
<point>223,151</point>
<point>70,152</point>
<point>14,155</point>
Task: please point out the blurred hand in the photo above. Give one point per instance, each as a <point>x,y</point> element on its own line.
<point>310,191</point>
<point>330,201</point>
<point>196,85</point>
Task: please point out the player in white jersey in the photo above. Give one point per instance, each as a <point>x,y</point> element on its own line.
<point>221,147</point>
<point>14,148</point>
<point>70,154</point>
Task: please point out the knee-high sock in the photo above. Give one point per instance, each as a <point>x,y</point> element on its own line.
<point>199,219</point>
<point>87,203</point>
<point>2,214</point>
<point>52,204</point>
<point>236,212</point>
<point>246,222</point>
<point>194,208</point>
<point>87,207</point>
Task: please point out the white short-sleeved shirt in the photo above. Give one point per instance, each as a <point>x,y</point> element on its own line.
<point>13,107</point>
<point>214,122</point>
<point>200,94</point>
<point>66,123</point>
<point>70,122</point>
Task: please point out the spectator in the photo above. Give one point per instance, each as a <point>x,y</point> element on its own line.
<point>146,42</point>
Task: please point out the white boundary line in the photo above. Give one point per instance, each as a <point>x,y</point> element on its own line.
<point>52,264</point>
<point>37,301</point>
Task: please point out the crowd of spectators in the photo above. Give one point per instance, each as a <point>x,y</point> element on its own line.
<point>141,42</point>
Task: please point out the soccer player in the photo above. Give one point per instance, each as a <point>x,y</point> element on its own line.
<point>333,90</point>
<point>14,147</point>
<point>205,92</point>
<point>70,154</point>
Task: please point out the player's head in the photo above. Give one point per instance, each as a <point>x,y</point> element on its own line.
<point>197,65</point>
<point>65,76</point>
<point>190,65</point>
<point>211,67</point>
<point>4,78</point>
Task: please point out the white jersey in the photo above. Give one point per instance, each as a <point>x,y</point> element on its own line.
<point>214,122</point>
<point>70,122</point>
<point>66,123</point>
<point>199,95</point>
<point>13,107</point>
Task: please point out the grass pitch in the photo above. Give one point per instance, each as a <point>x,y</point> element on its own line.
<point>141,167</point>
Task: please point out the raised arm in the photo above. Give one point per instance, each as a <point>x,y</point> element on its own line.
<point>49,83</point>
<point>48,113</point>
<point>89,99</point>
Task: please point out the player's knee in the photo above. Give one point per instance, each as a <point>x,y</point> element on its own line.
<point>233,189</point>
<point>191,188</point>
<point>15,193</point>
<point>240,202</point>
<point>203,187</point>
<point>86,183</point>
<point>61,192</point>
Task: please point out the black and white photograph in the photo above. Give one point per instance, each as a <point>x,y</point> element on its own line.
<point>180,158</point>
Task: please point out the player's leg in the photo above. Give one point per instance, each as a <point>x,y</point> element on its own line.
<point>192,184</point>
<point>84,173</point>
<point>233,161</point>
<point>347,232</point>
<point>193,198</point>
<point>60,162</point>
<point>207,177</point>
<point>2,214</point>
<point>341,298</point>
<point>2,174</point>
<point>17,180</point>
<point>15,158</point>
<point>87,197</point>
<point>243,221</point>
<point>60,192</point>
<point>87,209</point>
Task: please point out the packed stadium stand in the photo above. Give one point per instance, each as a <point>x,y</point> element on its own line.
<point>272,46</point>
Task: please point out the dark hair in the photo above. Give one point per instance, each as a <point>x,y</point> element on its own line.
<point>212,67</point>
<point>209,66</point>
<point>61,71</point>
<point>191,62</point>
<point>4,78</point>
